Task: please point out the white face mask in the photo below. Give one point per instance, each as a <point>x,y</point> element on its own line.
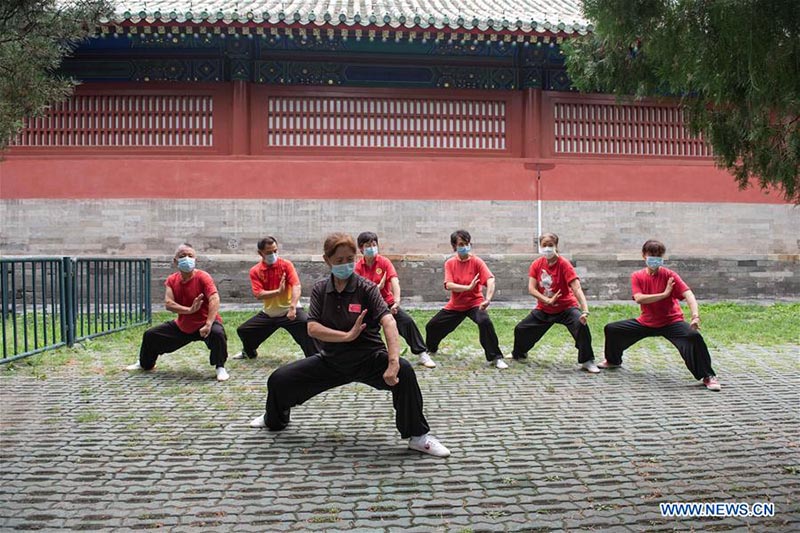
<point>548,251</point>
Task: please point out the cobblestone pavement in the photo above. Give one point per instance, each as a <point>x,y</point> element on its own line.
<point>539,447</point>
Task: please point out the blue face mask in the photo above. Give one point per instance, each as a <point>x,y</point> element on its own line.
<point>371,251</point>
<point>464,250</point>
<point>271,259</point>
<point>186,264</point>
<point>654,262</point>
<point>343,271</point>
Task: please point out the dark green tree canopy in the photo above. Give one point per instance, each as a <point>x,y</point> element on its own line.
<point>735,65</point>
<point>34,37</point>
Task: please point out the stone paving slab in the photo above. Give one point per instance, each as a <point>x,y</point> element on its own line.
<point>540,447</point>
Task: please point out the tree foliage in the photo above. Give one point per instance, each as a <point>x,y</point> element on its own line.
<point>35,35</point>
<point>735,65</point>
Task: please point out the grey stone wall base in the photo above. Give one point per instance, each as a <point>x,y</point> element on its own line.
<point>771,277</point>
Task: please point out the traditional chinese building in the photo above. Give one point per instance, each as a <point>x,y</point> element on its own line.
<point>218,121</point>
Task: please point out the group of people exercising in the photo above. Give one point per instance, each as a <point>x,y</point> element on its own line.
<point>340,334</point>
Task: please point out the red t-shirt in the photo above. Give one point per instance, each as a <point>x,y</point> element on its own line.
<point>184,293</point>
<point>264,277</point>
<point>374,273</point>
<point>462,273</point>
<point>553,278</point>
<point>663,312</point>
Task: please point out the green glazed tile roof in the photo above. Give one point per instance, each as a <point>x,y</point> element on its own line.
<point>537,16</point>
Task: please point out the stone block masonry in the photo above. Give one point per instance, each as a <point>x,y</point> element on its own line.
<point>150,227</point>
<point>602,278</point>
<point>723,250</point>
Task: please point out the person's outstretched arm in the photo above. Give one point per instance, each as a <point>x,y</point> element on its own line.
<point>577,290</point>
<point>393,347</point>
<point>171,305</point>
<point>694,308</point>
<point>640,298</point>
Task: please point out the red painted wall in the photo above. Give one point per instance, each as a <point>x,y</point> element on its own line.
<point>461,178</point>
<point>240,165</point>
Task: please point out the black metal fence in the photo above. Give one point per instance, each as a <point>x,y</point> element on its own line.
<point>56,301</point>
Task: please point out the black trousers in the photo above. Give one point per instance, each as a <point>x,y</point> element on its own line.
<point>625,333</point>
<point>259,328</point>
<point>300,380</point>
<point>410,332</point>
<point>167,337</point>
<point>444,322</point>
<point>528,332</point>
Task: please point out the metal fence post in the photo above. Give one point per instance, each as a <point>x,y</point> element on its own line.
<point>5,302</point>
<point>69,300</point>
<point>147,295</point>
<point>62,301</point>
<point>76,311</point>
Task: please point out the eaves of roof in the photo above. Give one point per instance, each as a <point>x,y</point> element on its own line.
<point>560,17</point>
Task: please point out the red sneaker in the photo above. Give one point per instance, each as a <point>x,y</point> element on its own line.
<point>712,383</point>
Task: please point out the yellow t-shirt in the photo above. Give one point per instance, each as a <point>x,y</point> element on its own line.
<point>264,277</point>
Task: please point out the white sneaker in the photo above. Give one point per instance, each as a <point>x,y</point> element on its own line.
<point>590,367</point>
<point>258,422</point>
<point>134,367</point>
<point>426,361</point>
<point>499,363</point>
<point>222,374</point>
<point>427,444</point>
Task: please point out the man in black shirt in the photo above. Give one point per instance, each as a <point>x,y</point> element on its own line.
<point>345,317</point>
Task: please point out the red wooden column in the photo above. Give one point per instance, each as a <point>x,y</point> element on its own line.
<point>532,123</point>
<point>240,118</point>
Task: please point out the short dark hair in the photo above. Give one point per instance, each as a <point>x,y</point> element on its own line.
<point>334,240</point>
<point>366,236</point>
<point>266,241</point>
<point>553,236</point>
<point>460,234</point>
<point>653,248</point>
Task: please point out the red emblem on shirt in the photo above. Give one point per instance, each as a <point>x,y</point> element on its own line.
<point>354,308</point>
<point>379,271</point>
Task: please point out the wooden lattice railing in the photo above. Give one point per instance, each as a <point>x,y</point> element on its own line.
<point>124,121</point>
<point>386,122</point>
<point>612,129</point>
<point>262,120</point>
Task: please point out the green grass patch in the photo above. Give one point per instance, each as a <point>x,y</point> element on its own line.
<point>88,417</point>
<point>156,417</point>
<point>724,325</point>
<point>324,519</point>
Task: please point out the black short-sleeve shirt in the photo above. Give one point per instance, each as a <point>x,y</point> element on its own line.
<point>339,311</point>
